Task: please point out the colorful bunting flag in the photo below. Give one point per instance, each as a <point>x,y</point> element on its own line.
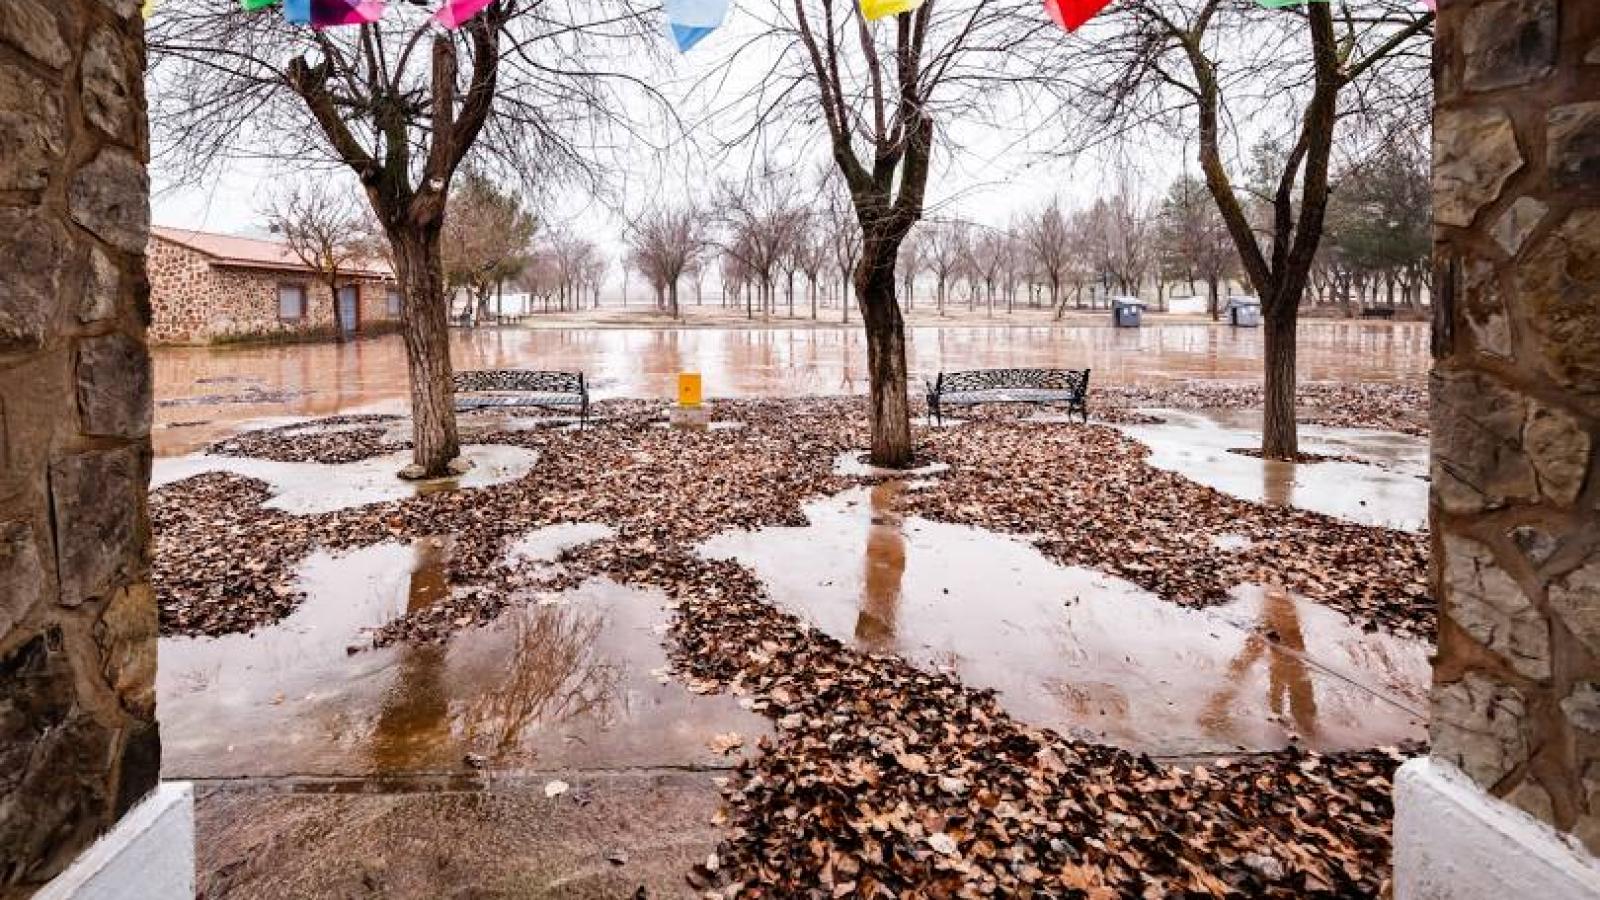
<point>1071,14</point>
<point>455,13</point>
<point>149,8</point>
<point>878,9</point>
<point>297,12</point>
<point>692,20</point>
<point>256,5</point>
<point>331,13</point>
<point>1431,4</point>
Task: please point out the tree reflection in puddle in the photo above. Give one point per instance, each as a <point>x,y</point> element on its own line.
<point>568,684</point>
<point>1083,652</point>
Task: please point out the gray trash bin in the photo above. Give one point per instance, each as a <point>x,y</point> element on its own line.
<point>1126,312</point>
<point>1244,312</point>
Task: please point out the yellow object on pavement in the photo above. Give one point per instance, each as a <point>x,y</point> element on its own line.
<point>689,390</point>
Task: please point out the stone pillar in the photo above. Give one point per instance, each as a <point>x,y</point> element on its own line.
<point>78,739</point>
<point>1516,405</point>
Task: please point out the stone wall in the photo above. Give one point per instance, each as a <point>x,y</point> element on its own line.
<point>1516,495</point>
<point>194,302</point>
<point>78,739</point>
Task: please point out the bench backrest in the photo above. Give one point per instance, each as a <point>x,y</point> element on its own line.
<point>519,380</point>
<point>1071,380</point>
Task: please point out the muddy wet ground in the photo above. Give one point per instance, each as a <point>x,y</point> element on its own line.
<point>564,619</point>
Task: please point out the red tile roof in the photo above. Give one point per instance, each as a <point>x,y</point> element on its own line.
<point>232,251</point>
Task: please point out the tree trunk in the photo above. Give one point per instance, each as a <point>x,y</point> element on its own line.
<point>426,329</point>
<point>889,408</point>
<point>1214,300</point>
<point>338,311</point>
<point>1279,435</point>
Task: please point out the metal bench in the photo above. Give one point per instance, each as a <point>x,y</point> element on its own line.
<point>1042,387</point>
<point>517,388</point>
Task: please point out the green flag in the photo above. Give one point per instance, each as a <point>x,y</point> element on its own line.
<point>254,5</point>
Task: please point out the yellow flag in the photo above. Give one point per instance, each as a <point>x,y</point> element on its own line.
<point>150,7</point>
<point>878,9</point>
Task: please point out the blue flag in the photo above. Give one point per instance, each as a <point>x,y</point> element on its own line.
<point>297,12</point>
<point>692,20</point>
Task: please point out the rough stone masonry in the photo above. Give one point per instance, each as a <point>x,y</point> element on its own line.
<point>1516,494</point>
<point>78,739</point>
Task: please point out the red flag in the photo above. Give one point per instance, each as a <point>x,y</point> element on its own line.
<point>1070,14</point>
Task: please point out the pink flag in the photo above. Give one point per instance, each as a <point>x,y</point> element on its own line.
<point>1431,4</point>
<point>328,13</point>
<point>455,13</point>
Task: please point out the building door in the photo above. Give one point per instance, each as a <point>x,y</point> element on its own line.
<point>350,308</point>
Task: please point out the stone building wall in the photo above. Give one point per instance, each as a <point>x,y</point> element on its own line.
<point>1516,494</point>
<point>195,302</point>
<point>78,739</point>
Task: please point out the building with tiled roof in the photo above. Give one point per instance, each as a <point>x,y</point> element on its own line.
<point>207,287</point>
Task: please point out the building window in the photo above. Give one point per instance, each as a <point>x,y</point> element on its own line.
<point>394,303</point>
<point>291,302</point>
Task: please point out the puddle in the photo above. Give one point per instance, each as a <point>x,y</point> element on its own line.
<point>1082,652</point>
<point>306,488</point>
<point>1386,489</point>
<point>854,464</point>
<point>930,422</point>
<point>544,687</point>
<point>1231,542</point>
<point>548,543</point>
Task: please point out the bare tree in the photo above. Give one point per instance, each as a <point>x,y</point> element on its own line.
<point>910,264</point>
<point>324,227</point>
<point>941,254</point>
<point>1193,237</point>
<point>401,103</point>
<point>986,259</point>
<point>877,90</point>
<point>760,218</point>
<point>664,244</point>
<point>1049,248</point>
<point>1200,66</point>
<point>1120,230</point>
<point>810,251</point>
<point>844,235</point>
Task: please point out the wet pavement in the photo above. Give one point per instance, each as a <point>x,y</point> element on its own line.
<point>611,835</point>
<point>305,488</point>
<point>205,393</point>
<point>1082,652</point>
<point>1382,479</point>
<point>567,681</point>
